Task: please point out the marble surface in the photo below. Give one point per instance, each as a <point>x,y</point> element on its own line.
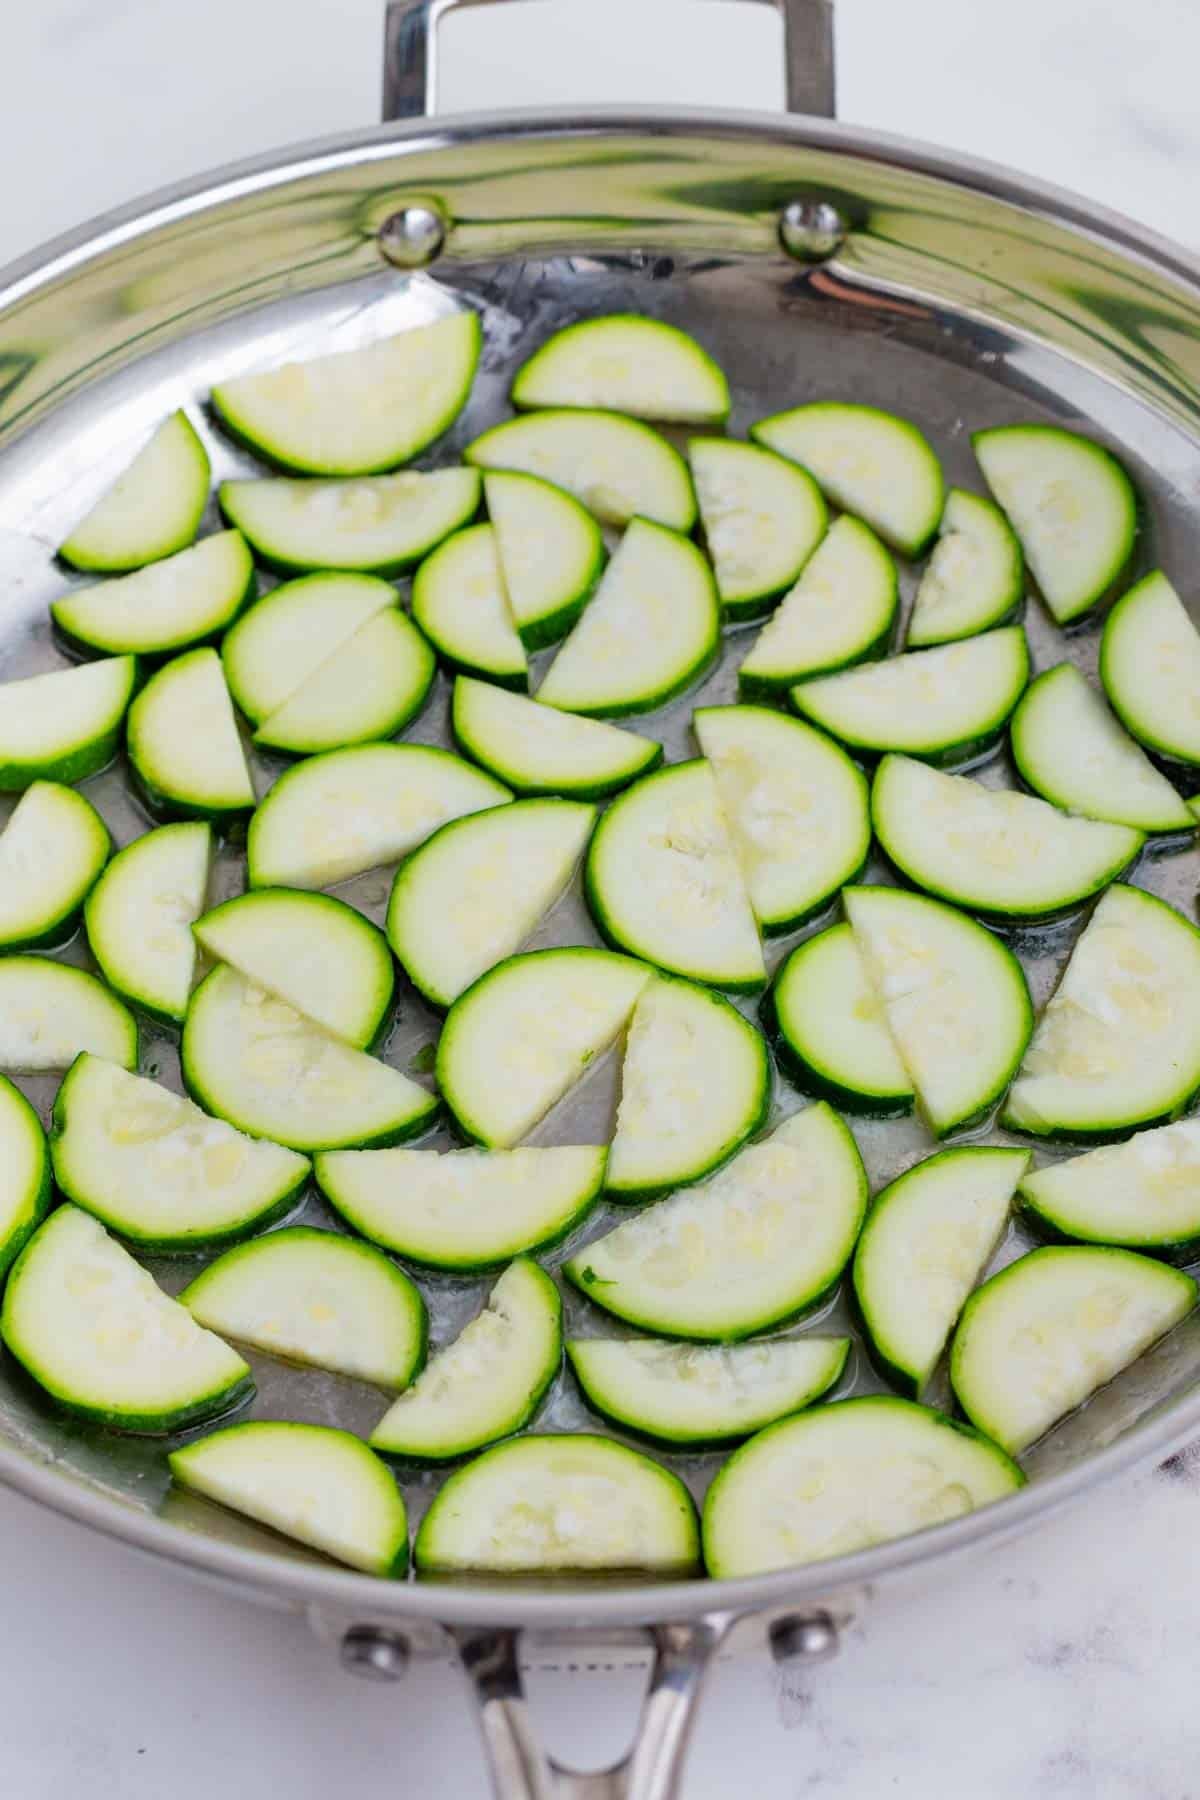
<point>1061,1666</point>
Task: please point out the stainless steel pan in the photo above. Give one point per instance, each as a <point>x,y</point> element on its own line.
<point>813,259</point>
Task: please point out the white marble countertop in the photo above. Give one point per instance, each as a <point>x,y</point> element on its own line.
<point>1062,1666</point>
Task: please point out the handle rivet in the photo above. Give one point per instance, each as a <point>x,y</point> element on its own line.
<point>804,1638</point>
<point>373,1653</point>
<point>811,230</point>
<point>412,237</point>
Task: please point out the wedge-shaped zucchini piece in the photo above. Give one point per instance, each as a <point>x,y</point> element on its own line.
<point>1071,504</point>
<point>489,1382</point>
<point>763,1241</point>
<point>840,611</point>
<point>350,810</point>
<point>24,1171</point>
<point>1041,1336</point>
<point>357,410</point>
<point>762,517</point>
<point>292,632</point>
<point>255,1061</point>
<point>372,687</point>
<point>995,851</point>
<point>1070,749</point>
<point>91,1327</point>
<point>975,578</point>
<point>157,1170</point>
<point>311,950</point>
<point>310,1482</point>
<point>703,1393</point>
<point>315,1298</point>
<point>463,1210</point>
<point>52,851</point>
<point>183,741</point>
<point>830,1031</point>
<point>617,467</point>
<point>927,1240</point>
<point>153,509</point>
<point>538,750</point>
<point>517,1040</point>
<point>955,999</point>
<point>65,725</point>
<point>844,1478</point>
<point>50,1012</point>
<point>796,808</point>
<point>543,1505</point>
<point>695,1084</point>
<point>1143,1194</point>
<point>1118,1045</point>
<point>1150,667</point>
<point>551,553</point>
<point>663,881</point>
<point>629,364</point>
<point>651,628</point>
<point>381,525</point>
<point>867,462</point>
<point>139,917</point>
<point>188,598</point>
<point>479,887</point>
<point>460,601</point>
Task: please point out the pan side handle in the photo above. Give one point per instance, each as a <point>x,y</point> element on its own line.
<point>410,55</point>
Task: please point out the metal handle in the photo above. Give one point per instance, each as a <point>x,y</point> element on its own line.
<point>410,55</point>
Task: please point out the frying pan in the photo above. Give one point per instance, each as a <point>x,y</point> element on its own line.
<point>813,260</point>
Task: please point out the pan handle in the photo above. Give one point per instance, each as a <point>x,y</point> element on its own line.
<point>410,55</point>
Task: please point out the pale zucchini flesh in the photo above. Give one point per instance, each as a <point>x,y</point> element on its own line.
<point>1150,667</point>
<point>24,1171</point>
<point>372,687</point>
<point>763,517</point>
<point>377,525</point>
<point>975,578</point>
<point>65,725</point>
<point>1143,1194</point>
<point>183,741</point>
<point>551,553</point>
<point>616,467</point>
<point>830,1029</point>
<point>52,852</point>
<point>50,1012</point>
<point>840,611</point>
<point>625,363</point>
<point>538,750</point>
<point>140,913</point>
<point>188,598</point>
<point>460,601</point>
<point>287,636</point>
<point>153,509</point>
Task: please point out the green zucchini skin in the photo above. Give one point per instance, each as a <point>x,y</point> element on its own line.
<point>810,1080</point>
<point>36,1202</point>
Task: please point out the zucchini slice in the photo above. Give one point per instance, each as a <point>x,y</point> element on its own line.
<point>24,1171</point>
<point>764,1240</point>
<point>159,1172</point>
<point>844,1478</point>
<point>65,725</point>
<point>489,1382</point>
<point>1141,1195</point>
<point>317,1298</point>
<point>551,553</point>
<point>1069,748</point>
<point>188,598</point>
<point>948,705</point>
<point>50,1012</point>
<point>460,601</point>
<point>151,510</point>
<point>570,1501</point>
<point>927,1239</point>
<point>840,611</point>
<point>183,741</point>
<point>1070,503</point>
<point>627,364</point>
<point>1150,667</point>
<point>257,1062</point>
<point>310,1482</point>
<point>541,1018</point>
<point>372,687</point>
<point>473,893</point>
<point>699,1394</point>
<point>537,750</point>
<point>663,881</point>
<point>695,1084</point>
<point>139,917</point>
<point>650,630</point>
<point>378,526</point>
<point>617,468</point>
<point>975,578</point>
<point>357,411</point>
<point>311,950</point>
<point>830,1030</point>
<point>796,807</point>
<point>762,516</point>
<point>992,850</point>
<point>463,1210</point>
<point>867,462</point>
<point>1118,1045</point>
<point>52,851</point>
<point>291,632</point>
<point>91,1327</point>
<point>1040,1337</point>
<point>955,998</point>
<point>336,815</point>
